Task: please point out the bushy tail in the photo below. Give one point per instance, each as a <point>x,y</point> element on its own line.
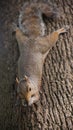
<point>49,10</point>
<point>43,7</point>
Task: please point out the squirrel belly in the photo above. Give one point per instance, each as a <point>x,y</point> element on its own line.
<point>34,45</point>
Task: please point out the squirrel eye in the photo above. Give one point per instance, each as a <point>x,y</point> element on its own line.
<point>29,89</point>
<point>32,95</point>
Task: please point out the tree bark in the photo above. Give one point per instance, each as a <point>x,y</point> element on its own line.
<point>54,111</point>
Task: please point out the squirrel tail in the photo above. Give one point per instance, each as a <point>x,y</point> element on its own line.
<point>21,16</point>
<point>49,10</point>
<point>45,8</point>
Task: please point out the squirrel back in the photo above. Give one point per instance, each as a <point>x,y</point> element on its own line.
<point>31,20</point>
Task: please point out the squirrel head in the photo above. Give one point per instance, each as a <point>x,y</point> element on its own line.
<point>28,91</point>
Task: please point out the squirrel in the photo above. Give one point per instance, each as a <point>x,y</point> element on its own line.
<point>34,45</point>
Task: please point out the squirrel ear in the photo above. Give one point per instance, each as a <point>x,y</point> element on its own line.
<point>17,81</point>
<point>25,78</point>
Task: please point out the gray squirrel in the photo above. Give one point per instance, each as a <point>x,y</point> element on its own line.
<point>34,45</point>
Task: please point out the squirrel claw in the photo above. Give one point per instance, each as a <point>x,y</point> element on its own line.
<point>63,30</point>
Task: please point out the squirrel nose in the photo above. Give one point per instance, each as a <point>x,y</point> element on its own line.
<point>24,103</point>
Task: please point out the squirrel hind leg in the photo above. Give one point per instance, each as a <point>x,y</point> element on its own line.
<point>14,27</point>
<point>63,30</point>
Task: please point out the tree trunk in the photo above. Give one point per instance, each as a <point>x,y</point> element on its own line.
<point>54,111</point>
<point>55,108</point>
